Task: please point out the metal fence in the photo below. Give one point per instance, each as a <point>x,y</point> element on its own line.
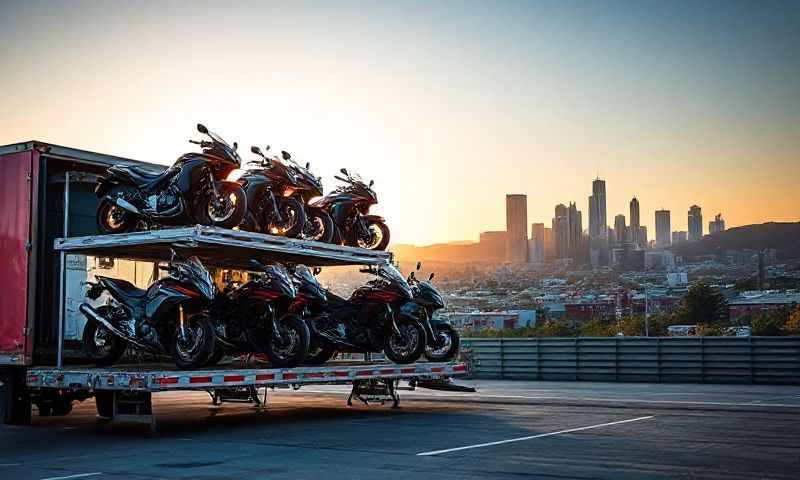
<point>638,359</point>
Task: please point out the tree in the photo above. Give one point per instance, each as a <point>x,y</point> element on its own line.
<point>595,328</point>
<point>767,324</point>
<point>792,326</point>
<point>704,305</point>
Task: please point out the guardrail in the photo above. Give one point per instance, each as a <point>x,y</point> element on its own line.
<point>774,360</point>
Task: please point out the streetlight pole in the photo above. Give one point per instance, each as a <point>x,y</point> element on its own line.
<point>646,314</point>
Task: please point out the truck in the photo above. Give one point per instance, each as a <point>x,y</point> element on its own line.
<point>51,246</point>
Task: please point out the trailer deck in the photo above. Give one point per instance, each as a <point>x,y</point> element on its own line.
<point>219,247</point>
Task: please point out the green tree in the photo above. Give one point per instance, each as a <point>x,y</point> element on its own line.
<point>595,328</point>
<point>704,305</point>
<point>767,324</point>
<point>555,328</point>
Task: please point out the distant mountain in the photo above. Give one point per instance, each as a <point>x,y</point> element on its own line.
<point>782,236</point>
<point>454,252</point>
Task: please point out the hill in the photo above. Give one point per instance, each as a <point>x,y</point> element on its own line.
<point>781,236</point>
<point>455,252</point>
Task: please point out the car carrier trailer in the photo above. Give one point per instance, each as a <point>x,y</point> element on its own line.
<point>42,184</point>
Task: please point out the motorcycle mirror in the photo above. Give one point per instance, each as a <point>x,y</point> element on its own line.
<point>235,145</point>
<point>371,183</point>
<point>285,155</point>
<point>267,149</point>
<point>419,265</point>
<point>344,171</point>
<point>255,150</point>
<point>308,165</point>
<point>317,270</point>
<point>202,128</point>
<point>430,277</point>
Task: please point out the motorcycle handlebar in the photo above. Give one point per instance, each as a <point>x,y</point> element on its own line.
<point>337,177</point>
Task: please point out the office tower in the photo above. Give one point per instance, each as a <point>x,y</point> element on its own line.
<point>537,243</point>
<point>619,229</point>
<point>597,210</point>
<point>678,237</point>
<point>662,228</point>
<point>516,228</point>
<point>549,244</point>
<point>717,225</point>
<point>561,231</point>
<point>642,236</point>
<point>575,240</point>
<point>695,223</point>
<point>634,226</point>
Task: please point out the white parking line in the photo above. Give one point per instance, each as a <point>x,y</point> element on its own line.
<point>78,475</point>
<point>541,435</point>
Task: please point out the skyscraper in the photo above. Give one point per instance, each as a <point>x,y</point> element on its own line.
<point>517,228</point>
<point>642,236</point>
<point>561,231</point>
<point>695,223</point>
<point>619,229</point>
<point>537,242</point>
<point>663,231</point>
<point>598,223</point>
<point>634,226</point>
<point>575,240</point>
<point>717,225</point>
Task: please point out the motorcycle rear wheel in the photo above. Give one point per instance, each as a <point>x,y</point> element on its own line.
<point>406,347</point>
<point>100,345</point>
<point>114,219</point>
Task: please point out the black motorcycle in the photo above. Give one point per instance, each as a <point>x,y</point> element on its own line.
<point>443,340</point>
<point>170,317</point>
<point>369,321</point>
<point>318,225</point>
<point>349,206</point>
<point>193,190</point>
<point>255,317</point>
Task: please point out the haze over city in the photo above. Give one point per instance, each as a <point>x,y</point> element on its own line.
<point>448,106</point>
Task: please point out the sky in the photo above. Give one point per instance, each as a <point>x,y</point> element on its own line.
<point>447,105</point>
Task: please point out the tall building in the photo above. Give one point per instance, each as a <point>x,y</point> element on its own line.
<point>598,224</point>
<point>516,228</point>
<point>575,238</point>
<point>642,236</point>
<point>662,228</point>
<point>537,243</point>
<point>695,223</point>
<point>717,225</point>
<point>619,229</point>
<point>549,245</point>
<point>634,226</point>
<point>561,231</point>
<point>678,237</point>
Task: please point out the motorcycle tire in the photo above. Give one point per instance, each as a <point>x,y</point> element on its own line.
<point>400,350</point>
<point>450,344</point>
<point>288,207</point>
<point>318,226</point>
<point>111,347</point>
<point>319,355</point>
<point>198,346</point>
<point>383,240</point>
<point>295,330</point>
<point>114,219</point>
<point>206,213</point>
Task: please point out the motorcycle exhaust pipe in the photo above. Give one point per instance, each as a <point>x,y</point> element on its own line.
<point>91,314</point>
<point>124,204</point>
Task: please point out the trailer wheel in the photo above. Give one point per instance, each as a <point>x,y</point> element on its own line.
<point>15,402</point>
<point>104,400</point>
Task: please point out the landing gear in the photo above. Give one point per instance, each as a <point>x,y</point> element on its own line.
<point>375,391</point>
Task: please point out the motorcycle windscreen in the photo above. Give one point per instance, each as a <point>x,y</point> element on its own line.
<point>18,177</point>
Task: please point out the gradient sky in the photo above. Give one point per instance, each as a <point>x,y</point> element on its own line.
<point>447,105</point>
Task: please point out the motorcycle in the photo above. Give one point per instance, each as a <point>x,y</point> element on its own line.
<point>254,317</point>
<point>443,340</point>
<point>193,190</point>
<point>318,225</point>
<point>369,321</point>
<point>170,317</point>
<point>349,206</point>
<point>272,208</point>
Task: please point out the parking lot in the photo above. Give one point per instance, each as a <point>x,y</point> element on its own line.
<point>505,430</point>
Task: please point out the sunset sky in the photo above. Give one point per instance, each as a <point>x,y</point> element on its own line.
<point>447,105</point>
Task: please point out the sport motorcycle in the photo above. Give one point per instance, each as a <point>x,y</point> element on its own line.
<point>170,317</point>
<point>443,340</point>
<point>348,206</point>
<point>194,190</point>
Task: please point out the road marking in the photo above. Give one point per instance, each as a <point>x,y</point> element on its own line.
<point>78,475</point>
<point>541,435</point>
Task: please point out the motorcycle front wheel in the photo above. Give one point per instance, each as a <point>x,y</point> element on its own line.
<point>318,226</point>
<point>225,210</point>
<point>378,238</point>
<point>446,344</point>
<point>406,347</point>
<point>288,346</point>
<point>193,345</point>
<point>100,345</point>
<point>293,219</point>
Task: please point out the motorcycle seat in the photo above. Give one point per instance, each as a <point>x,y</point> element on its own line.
<point>137,175</point>
<point>122,288</point>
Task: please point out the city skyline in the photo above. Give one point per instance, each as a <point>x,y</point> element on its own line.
<point>446,106</point>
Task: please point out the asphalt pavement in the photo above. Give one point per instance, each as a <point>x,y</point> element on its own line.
<point>506,430</point>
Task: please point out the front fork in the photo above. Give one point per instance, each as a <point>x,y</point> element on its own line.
<point>181,322</point>
<point>275,209</point>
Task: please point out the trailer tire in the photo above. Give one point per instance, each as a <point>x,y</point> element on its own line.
<point>15,402</point>
<point>104,401</point>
